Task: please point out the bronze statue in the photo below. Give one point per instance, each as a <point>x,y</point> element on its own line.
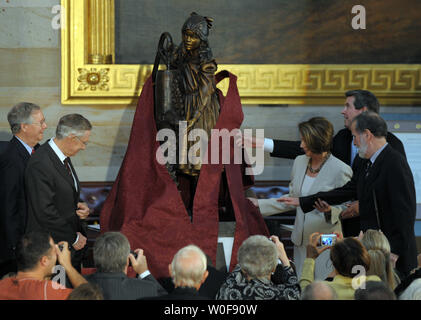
<point>190,80</point>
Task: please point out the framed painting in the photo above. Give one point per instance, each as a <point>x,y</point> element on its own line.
<point>283,52</point>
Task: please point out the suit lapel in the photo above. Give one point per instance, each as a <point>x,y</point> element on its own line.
<point>299,176</point>
<point>374,171</point>
<point>23,153</point>
<point>60,167</point>
<point>76,178</point>
<point>347,146</point>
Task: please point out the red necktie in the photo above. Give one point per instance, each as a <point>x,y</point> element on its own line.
<point>33,151</point>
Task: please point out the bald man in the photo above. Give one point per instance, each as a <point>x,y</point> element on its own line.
<point>318,290</point>
<point>188,272</point>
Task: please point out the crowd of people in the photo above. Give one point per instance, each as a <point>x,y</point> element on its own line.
<point>264,272</point>
<point>356,184</point>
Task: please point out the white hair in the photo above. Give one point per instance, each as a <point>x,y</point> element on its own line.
<point>188,266</point>
<point>413,292</point>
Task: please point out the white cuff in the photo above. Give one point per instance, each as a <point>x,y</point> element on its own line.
<point>144,274</point>
<point>77,239</point>
<point>268,145</point>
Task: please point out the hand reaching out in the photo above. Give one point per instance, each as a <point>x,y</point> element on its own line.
<point>322,206</point>
<point>289,201</point>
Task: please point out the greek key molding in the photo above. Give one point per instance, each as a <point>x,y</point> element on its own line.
<point>397,84</point>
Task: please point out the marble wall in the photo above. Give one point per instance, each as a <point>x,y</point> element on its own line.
<point>30,71</point>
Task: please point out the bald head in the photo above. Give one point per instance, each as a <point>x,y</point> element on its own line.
<point>188,268</point>
<point>318,290</point>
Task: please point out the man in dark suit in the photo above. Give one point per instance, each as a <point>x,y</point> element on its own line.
<point>188,271</point>
<point>27,124</point>
<point>385,188</point>
<point>52,187</point>
<point>357,101</point>
<point>112,256</point>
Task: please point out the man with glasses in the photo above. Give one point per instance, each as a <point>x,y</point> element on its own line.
<point>27,123</point>
<point>53,187</point>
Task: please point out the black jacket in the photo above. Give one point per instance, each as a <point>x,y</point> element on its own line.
<point>181,293</point>
<point>117,286</point>
<point>389,185</point>
<point>52,197</point>
<point>13,161</point>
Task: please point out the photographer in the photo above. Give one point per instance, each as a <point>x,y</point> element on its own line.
<point>112,256</point>
<point>36,256</point>
<point>350,260</point>
<point>252,279</point>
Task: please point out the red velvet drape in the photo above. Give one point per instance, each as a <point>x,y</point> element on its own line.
<point>145,205</point>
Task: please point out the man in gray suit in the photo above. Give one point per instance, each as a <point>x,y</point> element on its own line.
<point>112,256</point>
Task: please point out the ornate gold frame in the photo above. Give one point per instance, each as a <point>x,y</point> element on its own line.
<point>89,75</point>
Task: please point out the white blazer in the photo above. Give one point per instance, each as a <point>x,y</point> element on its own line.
<point>333,174</point>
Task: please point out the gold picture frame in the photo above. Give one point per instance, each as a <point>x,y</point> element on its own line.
<point>90,76</point>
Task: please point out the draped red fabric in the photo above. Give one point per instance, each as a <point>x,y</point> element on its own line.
<point>145,205</point>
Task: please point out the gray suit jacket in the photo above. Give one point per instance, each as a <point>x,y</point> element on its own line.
<point>333,174</point>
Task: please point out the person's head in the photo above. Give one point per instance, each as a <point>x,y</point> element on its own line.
<point>72,133</point>
<point>356,102</point>
<point>368,129</point>
<point>319,290</point>
<point>374,290</point>
<point>413,292</point>
<point>375,240</point>
<point>316,135</point>
<point>36,251</point>
<point>27,122</point>
<point>111,252</point>
<point>188,267</point>
<point>257,257</point>
<point>347,255</point>
<point>379,250</point>
<point>195,32</point>
<point>86,291</point>
<point>378,264</point>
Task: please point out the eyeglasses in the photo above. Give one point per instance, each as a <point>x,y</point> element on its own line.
<point>85,143</point>
<point>41,123</point>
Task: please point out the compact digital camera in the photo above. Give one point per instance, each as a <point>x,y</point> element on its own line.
<point>327,240</point>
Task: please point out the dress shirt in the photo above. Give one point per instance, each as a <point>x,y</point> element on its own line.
<point>27,147</point>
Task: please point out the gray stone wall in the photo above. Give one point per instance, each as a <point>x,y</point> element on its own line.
<point>30,71</point>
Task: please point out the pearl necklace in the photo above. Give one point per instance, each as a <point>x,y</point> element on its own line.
<point>319,168</point>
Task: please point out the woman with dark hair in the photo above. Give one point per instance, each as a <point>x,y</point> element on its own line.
<point>350,260</point>
<point>315,171</point>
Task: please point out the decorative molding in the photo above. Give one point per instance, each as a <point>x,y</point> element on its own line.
<point>93,79</point>
<point>88,36</point>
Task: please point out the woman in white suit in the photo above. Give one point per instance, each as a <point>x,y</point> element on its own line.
<point>317,170</point>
